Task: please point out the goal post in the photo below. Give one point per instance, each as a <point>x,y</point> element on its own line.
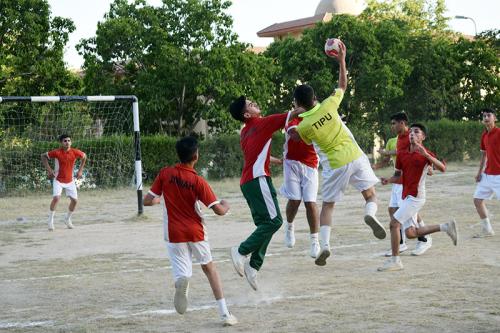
<point>106,126</point>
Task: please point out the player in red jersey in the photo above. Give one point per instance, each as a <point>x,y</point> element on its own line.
<point>62,175</point>
<point>184,231</point>
<point>411,169</point>
<point>488,176</point>
<point>256,184</point>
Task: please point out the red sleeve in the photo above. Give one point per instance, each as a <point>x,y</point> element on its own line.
<point>157,186</point>
<point>292,124</point>
<point>483,143</point>
<point>79,153</point>
<point>398,165</point>
<point>270,124</point>
<point>53,153</point>
<point>204,193</point>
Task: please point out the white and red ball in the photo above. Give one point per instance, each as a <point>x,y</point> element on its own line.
<point>332,47</point>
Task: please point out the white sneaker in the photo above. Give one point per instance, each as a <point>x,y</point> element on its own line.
<point>181,295</point>
<point>452,231</point>
<point>229,320</point>
<point>251,275</point>
<point>486,231</point>
<point>289,237</point>
<point>391,264</point>
<point>68,223</point>
<point>314,249</point>
<point>422,247</point>
<point>237,260</point>
<point>402,248</point>
<point>322,256</point>
<point>51,225</point>
<point>377,228</point>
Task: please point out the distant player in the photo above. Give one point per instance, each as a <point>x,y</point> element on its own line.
<point>342,160</point>
<point>488,175</point>
<point>399,125</point>
<point>184,231</point>
<point>300,183</point>
<point>256,184</point>
<point>65,158</point>
<point>411,169</point>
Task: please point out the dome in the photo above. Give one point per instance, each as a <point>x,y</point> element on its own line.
<point>352,7</point>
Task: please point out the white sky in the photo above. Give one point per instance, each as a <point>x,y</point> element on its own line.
<point>250,16</point>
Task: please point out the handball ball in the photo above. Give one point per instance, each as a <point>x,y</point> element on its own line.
<point>332,47</point>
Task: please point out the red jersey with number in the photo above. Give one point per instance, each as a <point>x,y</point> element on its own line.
<point>64,163</point>
<point>299,150</point>
<point>490,144</point>
<point>182,189</point>
<point>255,142</point>
<point>413,167</point>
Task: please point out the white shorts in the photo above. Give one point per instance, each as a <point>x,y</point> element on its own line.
<point>70,189</point>
<point>396,196</point>
<point>408,210</point>
<point>181,257</point>
<point>487,186</point>
<point>358,173</point>
<point>300,181</point>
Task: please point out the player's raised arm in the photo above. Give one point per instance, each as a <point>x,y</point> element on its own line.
<point>342,66</point>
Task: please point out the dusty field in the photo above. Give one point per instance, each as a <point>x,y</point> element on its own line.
<point>111,273</point>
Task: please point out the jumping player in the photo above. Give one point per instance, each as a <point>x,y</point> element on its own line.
<point>256,184</point>
<point>342,160</point>
<point>488,175</point>
<point>411,169</point>
<point>65,158</point>
<point>184,231</point>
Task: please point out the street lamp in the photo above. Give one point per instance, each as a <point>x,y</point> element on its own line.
<point>460,17</point>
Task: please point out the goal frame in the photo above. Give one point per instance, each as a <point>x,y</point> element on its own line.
<point>91,99</point>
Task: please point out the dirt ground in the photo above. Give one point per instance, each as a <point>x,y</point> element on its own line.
<point>112,274</point>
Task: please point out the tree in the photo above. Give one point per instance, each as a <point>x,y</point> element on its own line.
<point>31,59</point>
<point>181,59</point>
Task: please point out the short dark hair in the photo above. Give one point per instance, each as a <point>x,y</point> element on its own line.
<point>488,110</point>
<point>63,136</point>
<point>237,108</point>
<point>400,116</point>
<point>420,126</point>
<point>304,95</point>
<point>186,149</point>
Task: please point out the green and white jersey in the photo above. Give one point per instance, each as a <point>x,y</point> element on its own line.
<point>323,126</point>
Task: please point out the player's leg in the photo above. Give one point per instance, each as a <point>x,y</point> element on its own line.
<point>450,228</point>
<point>484,191</point>
<point>56,196</point>
<point>394,262</point>
<point>292,206</point>
<point>424,243</point>
<point>364,179</point>
<point>201,251</point>
<point>73,197</point>
<point>182,270</point>
<point>291,190</point>
<point>310,184</point>
<point>325,221</point>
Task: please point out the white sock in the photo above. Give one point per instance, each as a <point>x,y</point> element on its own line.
<point>324,235</point>
<point>222,307</point>
<point>421,223</point>
<point>396,258</point>
<point>51,214</point>
<point>371,208</point>
<point>68,215</point>
<point>486,224</point>
<point>314,237</point>
<point>290,226</point>
<point>443,227</point>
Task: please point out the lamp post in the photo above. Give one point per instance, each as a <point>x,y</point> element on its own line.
<point>460,17</point>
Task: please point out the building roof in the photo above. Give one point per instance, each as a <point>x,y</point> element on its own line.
<point>295,25</point>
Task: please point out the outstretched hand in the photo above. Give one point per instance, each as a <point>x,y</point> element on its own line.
<point>342,52</point>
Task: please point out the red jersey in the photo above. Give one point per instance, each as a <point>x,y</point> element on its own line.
<point>181,188</point>
<point>403,143</point>
<point>490,144</point>
<point>64,163</point>
<point>255,142</point>
<point>299,150</point>
<point>413,166</point>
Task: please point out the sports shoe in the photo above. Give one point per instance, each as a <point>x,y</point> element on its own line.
<point>229,320</point>
<point>289,237</point>
<point>322,256</point>
<point>51,225</point>
<point>68,223</point>
<point>452,231</point>
<point>237,260</point>
<point>377,228</point>
<point>402,248</point>
<point>486,231</point>
<point>391,264</point>
<point>422,247</point>
<point>251,275</point>
<point>181,295</point>
<point>314,249</point>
